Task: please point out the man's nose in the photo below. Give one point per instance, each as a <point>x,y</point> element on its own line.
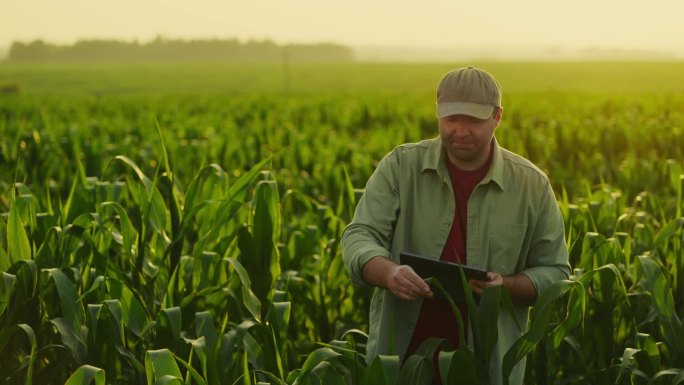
<point>460,129</point>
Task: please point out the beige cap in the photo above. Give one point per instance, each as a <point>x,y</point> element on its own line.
<point>468,91</point>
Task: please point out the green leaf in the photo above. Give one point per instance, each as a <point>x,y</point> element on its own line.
<point>383,370</point>
<point>168,380</point>
<point>73,206</point>
<point>325,373</point>
<point>315,358</point>
<point>417,370</point>
<point>133,314</point>
<point>487,318</point>
<point>5,337</point>
<point>240,186</point>
<point>19,247</point>
<point>6,290</point>
<point>669,230</point>
<point>72,310</point>
<point>663,301</point>
<point>204,327</point>
<point>540,317</point>
<point>72,338</point>
<point>165,154</point>
<point>436,286</point>
<point>168,327</point>
<point>128,235</point>
<point>193,373</point>
<point>246,379</point>
<point>461,367</point>
<point>677,374</point>
<point>279,317</point>
<point>233,200</point>
<point>212,174</point>
<point>160,363</point>
<point>25,286</point>
<point>199,348</point>
<point>651,353</point>
<point>259,254</point>
<point>103,335</point>
<point>250,300</point>
<point>152,204</point>
<point>347,200</point>
<point>5,261</point>
<point>85,375</point>
<point>629,365</point>
<point>428,347</point>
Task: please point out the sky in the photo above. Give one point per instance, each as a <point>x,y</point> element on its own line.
<point>653,25</point>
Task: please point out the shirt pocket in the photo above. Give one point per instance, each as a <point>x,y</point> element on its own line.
<point>505,246</point>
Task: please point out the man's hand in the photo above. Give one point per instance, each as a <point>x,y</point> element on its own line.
<point>521,289</point>
<point>493,279</point>
<point>406,284</point>
<point>401,280</point>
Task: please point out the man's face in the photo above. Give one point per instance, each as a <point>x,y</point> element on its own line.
<point>467,139</point>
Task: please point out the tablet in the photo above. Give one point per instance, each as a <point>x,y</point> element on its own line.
<point>446,272</point>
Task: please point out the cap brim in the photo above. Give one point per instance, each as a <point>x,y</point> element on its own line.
<point>479,111</point>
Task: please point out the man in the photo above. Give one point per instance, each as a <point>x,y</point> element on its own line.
<point>459,197</point>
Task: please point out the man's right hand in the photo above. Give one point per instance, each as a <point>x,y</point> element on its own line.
<point>401,280</point>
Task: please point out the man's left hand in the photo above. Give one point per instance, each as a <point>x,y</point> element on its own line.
<point>493,279</point>
<point>520,287</point>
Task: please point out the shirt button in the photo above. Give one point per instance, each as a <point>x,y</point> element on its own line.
<point>446,225</point>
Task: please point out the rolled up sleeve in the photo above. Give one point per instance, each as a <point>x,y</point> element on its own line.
<point>548,258</point>
<point>370,232</point>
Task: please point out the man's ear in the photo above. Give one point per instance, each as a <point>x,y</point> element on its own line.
<point>499,114</point>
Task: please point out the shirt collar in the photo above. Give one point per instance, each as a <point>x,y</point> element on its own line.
<point>435,160</point>
<point>496,170</point>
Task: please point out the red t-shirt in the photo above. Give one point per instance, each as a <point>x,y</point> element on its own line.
<point>436,318</point>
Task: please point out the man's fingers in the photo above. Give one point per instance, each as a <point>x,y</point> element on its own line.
<point>478,287</point>
<point>475,286</point>
<point>408,285</point>
<point>405,277</point>
<point>415,282</point>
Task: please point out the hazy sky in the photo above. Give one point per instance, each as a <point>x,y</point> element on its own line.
<point>623,24</point>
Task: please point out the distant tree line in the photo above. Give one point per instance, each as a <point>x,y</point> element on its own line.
<point>162,49</point>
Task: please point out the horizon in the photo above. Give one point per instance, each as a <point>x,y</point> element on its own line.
<point>433,25</point>
<point>405,53</point>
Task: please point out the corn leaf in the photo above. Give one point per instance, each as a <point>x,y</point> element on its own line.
<point>72,311</point>
<point>133,313</point>
<point>5,337</point>
<point>315,358</point>
<point>250,300</point>
<point>540,317</point>
<point>128,235</point>
<point>461,367</point>
<point>72,338</point>
<point>18,245</point>
<point>192,371</point>
<point>199,348</point>
<point>85,375</point>
<point>6,290</point>
<point>5,261</point>
<point>663,303</point>
<point>487,318</point>
<point>204,327</point>
<point>160,363</point>
<point>416,370</point>
<point>383,370</point>
<point>168,327</point>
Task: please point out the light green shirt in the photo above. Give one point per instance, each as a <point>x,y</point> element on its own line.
<point>514,226</point>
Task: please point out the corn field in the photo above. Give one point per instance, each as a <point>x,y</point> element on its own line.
<point>175,237</point>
